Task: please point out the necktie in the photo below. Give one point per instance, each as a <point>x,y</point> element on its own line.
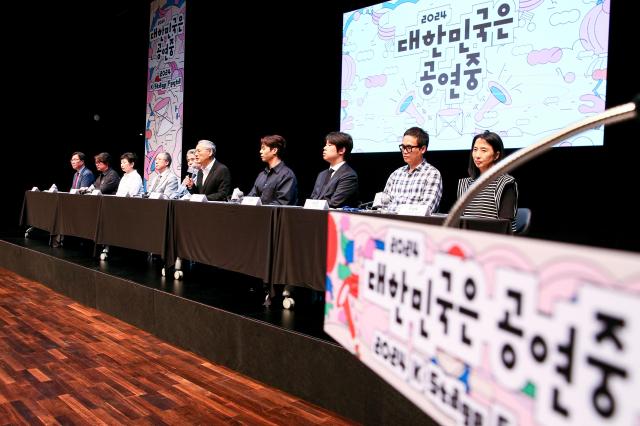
<point>199,181</point>
<point>327,178</point>
<point>329,175</point>
<point>76,180</point>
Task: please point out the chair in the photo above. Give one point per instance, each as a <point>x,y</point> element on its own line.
<point>523,221</point>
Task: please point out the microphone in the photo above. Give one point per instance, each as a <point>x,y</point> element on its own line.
<point>193,172</point>
<point>88,190</point>
<point>381,200</point>
<point>182,189</point>
<point>616,114</point>
<point>237,195</point>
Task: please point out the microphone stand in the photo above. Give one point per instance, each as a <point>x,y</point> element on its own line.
<point>613,115</point>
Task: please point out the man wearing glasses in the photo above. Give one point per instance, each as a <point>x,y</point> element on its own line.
<point>418,182</point>
<point>83,176</point>
<point>164,181</point>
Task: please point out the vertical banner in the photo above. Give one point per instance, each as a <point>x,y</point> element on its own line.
<point>165,84</point>
<point>483,329</point>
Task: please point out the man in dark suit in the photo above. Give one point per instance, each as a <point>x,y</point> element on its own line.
<point>214,178</point>
<point>83,177</point>
<point>338,184</point>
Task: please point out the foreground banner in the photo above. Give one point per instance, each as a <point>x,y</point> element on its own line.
<point>484,329</point>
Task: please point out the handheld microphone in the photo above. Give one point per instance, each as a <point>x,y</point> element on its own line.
<point>193,172</point>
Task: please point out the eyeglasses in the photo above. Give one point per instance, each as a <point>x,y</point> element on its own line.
<point>407,148</point>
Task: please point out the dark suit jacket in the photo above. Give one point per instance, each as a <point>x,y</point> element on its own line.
<point>217,186</point>
<point>342,189</point>
<point>107,182</point>
<point>85,180</point>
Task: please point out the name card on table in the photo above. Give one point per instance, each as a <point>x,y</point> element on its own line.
<point>157,196</point>
<point>73,191</point>
<point>201,198</point>
<point>53,189</point>
<point>35,189</point>
<point>251,201</point>
<point>95,192</point>
<point>316,204</point>
<point>413,209</point>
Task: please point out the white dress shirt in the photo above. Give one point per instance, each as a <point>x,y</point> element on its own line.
<point>130,184</point>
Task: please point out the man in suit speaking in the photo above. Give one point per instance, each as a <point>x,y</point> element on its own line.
<point>214,178</point>
<point>339,183</point>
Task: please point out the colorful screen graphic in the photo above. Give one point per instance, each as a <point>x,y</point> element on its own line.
<point>523,69</point>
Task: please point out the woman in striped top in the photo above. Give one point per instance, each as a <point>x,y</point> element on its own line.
<point>500,198</point>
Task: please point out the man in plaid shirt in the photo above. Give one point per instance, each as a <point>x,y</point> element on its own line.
<point>418,182</point>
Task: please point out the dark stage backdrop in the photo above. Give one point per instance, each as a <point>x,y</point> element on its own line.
<point>246,76</point>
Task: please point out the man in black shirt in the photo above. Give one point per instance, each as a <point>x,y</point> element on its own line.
<point>276,184</point>
<point>108,179</point>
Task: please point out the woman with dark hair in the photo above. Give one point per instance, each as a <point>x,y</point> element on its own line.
<point>131,182</point>
<point>499,199</point>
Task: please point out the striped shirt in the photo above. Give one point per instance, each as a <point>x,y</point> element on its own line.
<point>423,185</point>
<point>489,202</point>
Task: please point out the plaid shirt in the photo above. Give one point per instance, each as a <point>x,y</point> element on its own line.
<point>421,186</point>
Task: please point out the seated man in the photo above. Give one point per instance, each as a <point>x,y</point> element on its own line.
<point>83,177</point>
<point>107,180</point>
<point>418,182</point>
<point>164,181</point>
<point>339,183</point>
<point>214,178</point>
<point>277,184</point>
